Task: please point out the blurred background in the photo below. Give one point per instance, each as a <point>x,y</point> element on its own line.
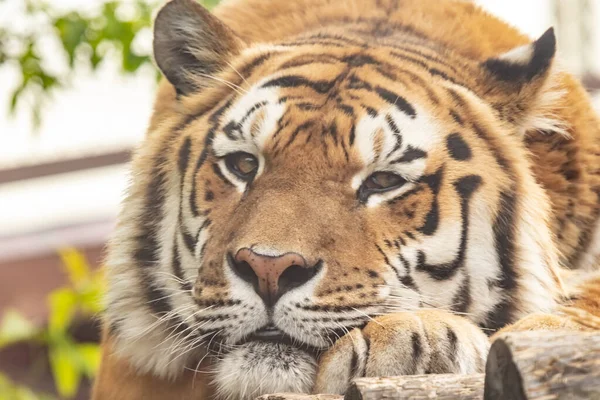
<point>76,89</point>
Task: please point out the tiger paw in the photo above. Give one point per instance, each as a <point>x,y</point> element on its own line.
<point>570,319</point>
<point>407,343</point>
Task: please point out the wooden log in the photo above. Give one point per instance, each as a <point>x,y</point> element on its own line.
<point>520,366</point>
<point>440,387</point>
<point>543,365</point>
<point>296,396</point>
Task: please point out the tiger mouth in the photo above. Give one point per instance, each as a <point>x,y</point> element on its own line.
<point>272,334</point>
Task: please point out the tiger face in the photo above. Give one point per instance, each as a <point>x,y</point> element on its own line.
<point>301,189</point>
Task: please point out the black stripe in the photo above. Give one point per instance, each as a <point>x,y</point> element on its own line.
<point>332,36</point>
<point>147,246</point>
<point>217,171</point>
<point>392,125</point>
<point>417,346</point>
<point>305,106</point>
<point>482,134</point>
<point>202,250</point>
<point>405,195</point>
<point>210,135</point>
<point>314,42</point>
<point>360,59</point>
<point>404,57</point>
<point>332,132</point>
<point>354,82</point>
<point>345,150</point>
<point>500,159</point>
<point>387,71</point>
<point>417,80</point>
<point>354,364</point>
<point>457,147</point>
<point>326,39</point>
<point>352,134</point>
<point>251,111</point>
<point>397,100</point>
<point>456,98</point>
<point>410,155</point>
<point>371,111</point>
<point>465,187</point>
<point>204,225</point>
<point>452,344</point>
<point>504,239</point>
<point>443,75</point>
<point>346,109</point>
<point>456,117</point>
<point>306,125</point>
<point>428,57</point>
<point>292,81</point>
<point>367,352</point>
<point>232,127</point>
<point>255,63</point>
<point>387,262</point>
<point>431,223</point>
<point>309,59</point>
<point>184,157</point>
<point>462,298</point>
<point>178,271</point>
<point>407,280</point>
<point>199,163</point>
<point>188,239</point>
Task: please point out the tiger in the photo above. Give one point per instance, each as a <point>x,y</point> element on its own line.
<point>334,189</point>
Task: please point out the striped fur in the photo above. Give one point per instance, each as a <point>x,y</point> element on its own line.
<point>496,151</point>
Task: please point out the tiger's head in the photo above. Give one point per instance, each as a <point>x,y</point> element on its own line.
<point>295,190</point>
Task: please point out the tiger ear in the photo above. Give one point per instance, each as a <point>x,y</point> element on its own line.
<point>517,83</point>
<point>191,44</point>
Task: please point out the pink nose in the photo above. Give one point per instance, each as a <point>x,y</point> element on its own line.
<point>272,276</point>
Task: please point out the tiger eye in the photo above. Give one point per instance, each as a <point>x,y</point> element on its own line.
<point>379,182</point>
<point>383,180</point>
<point>241,164</point>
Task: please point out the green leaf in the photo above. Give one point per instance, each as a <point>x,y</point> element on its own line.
<point>132,62</point>
<point>71,31</point>
<point>209,3</point>
<point>14,98</point>
<point>90,300</point>
<point>63,363</point>
<point>63,303</point>
<point>16,328</point>
<point>89,354</point>
<point>76,266</point>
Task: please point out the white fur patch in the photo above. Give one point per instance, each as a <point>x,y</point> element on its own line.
<point>258,368</point>
<point>521,55</point>
<point>420,133</point>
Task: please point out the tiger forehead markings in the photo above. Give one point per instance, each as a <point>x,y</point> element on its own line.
<point>296,190</point>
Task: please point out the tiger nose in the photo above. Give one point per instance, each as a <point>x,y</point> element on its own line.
<point>272,276</point>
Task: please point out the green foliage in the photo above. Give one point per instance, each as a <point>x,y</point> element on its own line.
<point>86,40</point>
<point>69,360</point>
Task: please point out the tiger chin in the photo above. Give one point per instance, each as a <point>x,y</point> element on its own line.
<point>337,189</point>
